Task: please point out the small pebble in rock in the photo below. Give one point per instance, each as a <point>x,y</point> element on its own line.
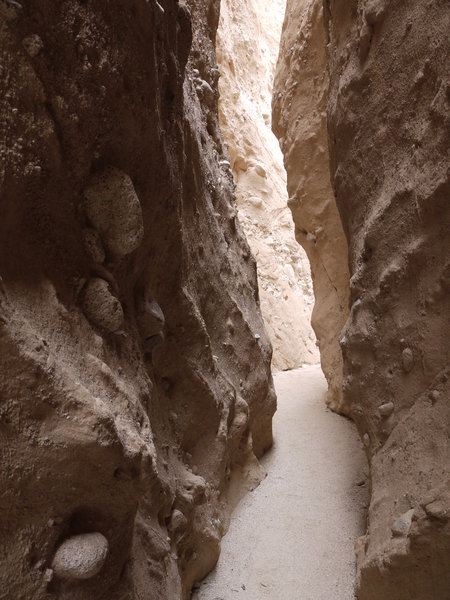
<point>407,360</point>
<point>366,440</point>
<point>178,521</point>
<point>434,396</point>
<point>81,556</point>
<point>230,325</point>
<point>402,525</point>
<point>387,409</point>
<point>33,45</point>
<point>150,317</point>
<point>40,563</point>
<point>48,575</point>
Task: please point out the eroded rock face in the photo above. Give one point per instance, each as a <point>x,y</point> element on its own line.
<point>135,386</point>
<point>247,49</point>
<point>389,117</point>
<point>299,121</point>
<point>388,126</point>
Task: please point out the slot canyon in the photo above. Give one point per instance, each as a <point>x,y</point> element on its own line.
<point>186,187</point>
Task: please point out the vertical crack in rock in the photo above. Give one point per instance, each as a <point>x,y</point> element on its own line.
<point>135,385</point>
<point>299,121</point>
<point>388,138</point>
<point>247,49</point>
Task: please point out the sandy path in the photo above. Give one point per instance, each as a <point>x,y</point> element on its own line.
<point>293,537</point>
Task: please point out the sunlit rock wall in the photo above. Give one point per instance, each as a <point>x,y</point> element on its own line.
<point>299,121</point>
<point>247,49</point>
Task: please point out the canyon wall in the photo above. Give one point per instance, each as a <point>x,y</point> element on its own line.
<point>247,48</point>
<point>135,385</point>
<point>389,140</point>
<point>299,121</point>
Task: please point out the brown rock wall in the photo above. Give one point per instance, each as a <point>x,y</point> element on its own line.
<point>389,143</point>
<point>135,426</point>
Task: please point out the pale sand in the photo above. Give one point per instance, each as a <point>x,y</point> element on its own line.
<point>293,537</point>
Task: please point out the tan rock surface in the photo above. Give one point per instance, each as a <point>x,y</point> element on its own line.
<point>388,128</point>
<point>108,425</point>
<point>247,49</point>
<point>389,117</point>
<point>299,121</point>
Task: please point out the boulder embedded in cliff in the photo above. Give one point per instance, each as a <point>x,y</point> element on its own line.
<point>113,208</point>
<point>81,556</point>
<point>101,308</point>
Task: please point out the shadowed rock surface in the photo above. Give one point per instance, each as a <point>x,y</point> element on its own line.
<point>135,371</point>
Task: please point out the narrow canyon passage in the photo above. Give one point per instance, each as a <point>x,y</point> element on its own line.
<point>186,187</point>
<point>293,537</point>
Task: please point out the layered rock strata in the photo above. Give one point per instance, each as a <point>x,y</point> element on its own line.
<point>247,49</point>
<point>135,386</point>
<point>299,121</point>
<point>388,128</point>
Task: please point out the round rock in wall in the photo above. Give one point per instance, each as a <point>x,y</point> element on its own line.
<point>81,556</point>
<point>101,307</point>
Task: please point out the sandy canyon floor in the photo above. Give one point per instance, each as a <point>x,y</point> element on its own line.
<point>293,537</point>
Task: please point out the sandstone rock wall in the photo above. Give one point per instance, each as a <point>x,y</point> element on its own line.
<point>299,121</point>
<point>388,134</point>
<point>389,138</point>
<point>135,386</point>
<point>247,49</point>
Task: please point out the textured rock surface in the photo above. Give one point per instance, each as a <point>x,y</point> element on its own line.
<point>247,49</point>
<point>299,121</point>
<point>81,556</point>
<point>143,440</point>
<point>388,125</point>
<point>389,118</point>
<point>114,210</point>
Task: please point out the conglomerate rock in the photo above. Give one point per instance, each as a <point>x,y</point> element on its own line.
<point>137,425</point>
<point>247,48</point>
<point>299,121</point>
<point>389,142</point>
<point>389,139</point>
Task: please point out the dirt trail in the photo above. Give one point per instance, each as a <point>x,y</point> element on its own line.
<point>293,537</point>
